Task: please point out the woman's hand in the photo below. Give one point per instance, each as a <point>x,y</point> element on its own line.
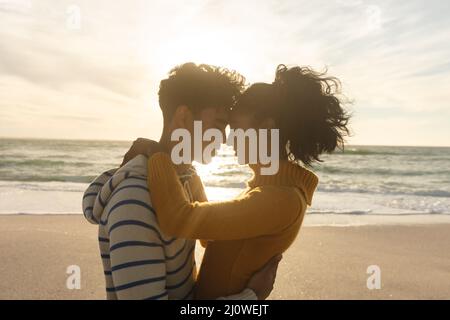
<point>142,146</point>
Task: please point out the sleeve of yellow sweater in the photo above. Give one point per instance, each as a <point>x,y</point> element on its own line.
<point>199,194</point>
<point>261,211</point>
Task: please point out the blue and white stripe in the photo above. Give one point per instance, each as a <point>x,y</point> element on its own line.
<point>139,261</point>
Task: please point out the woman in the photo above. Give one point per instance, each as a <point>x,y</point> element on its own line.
<point>264,221</point>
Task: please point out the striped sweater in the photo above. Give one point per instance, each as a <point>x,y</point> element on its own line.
<point>139,261</point>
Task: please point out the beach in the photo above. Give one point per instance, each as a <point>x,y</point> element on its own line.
<point>325,262</point>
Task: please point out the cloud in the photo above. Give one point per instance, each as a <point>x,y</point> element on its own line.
<point>392,57</point>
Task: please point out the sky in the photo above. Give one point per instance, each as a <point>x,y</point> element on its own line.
<point>90,69</point>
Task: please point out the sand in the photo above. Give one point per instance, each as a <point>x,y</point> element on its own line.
<point>324,263</point>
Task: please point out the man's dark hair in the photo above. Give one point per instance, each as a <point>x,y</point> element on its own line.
<point>198,87</point>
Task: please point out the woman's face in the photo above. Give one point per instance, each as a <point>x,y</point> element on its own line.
<point>241,120</point>
<point>246,121</point>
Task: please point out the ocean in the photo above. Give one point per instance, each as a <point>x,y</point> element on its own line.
<point>50,176</point>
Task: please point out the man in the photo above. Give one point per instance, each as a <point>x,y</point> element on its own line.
<point>139,261</point>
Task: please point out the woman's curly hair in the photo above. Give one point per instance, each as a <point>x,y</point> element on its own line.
<point>306,109</point>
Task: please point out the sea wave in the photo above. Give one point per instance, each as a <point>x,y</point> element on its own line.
<point>380,190</point>
<point>363,152</point>
<point>380,171</point>
<point>359,180</point>
<point>42,178</point>
<point>42,163</point>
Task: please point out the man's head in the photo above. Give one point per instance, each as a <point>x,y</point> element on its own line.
<point>198,93</point>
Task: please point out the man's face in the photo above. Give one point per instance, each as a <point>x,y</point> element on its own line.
<point>213,118</point>
<point>244,121</point>
<point>210,118</point>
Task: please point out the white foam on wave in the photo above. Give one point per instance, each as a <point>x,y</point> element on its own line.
<point>19,201</point>
<point>372,204</point>
<point>348,220</point>
<point>328,209</point>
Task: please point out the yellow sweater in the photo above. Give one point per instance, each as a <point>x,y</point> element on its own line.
<point>245,232</point>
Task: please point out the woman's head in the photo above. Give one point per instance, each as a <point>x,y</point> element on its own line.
<point>303,105</point>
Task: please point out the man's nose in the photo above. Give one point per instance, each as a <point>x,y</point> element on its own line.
<point>224,134</point>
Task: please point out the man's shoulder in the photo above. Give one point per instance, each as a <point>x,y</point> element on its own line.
<point>135,167</point>
<point>130,199</point>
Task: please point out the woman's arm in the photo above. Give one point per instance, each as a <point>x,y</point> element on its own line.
<point>253,214</point>
<point>199,194</point>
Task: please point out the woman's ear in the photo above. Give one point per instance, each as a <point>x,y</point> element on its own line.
<point>267,123</point>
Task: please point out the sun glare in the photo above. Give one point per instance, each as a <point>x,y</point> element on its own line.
<point>202,47</point>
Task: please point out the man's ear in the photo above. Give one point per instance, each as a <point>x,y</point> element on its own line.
<point>182,117</point>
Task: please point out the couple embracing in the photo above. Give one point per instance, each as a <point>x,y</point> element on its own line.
<point>151,210</point>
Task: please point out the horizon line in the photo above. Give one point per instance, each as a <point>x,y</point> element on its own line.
<point>123,140</point>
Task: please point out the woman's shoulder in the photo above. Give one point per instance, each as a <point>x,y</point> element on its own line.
<point>278,190</point>
<point>288,199</point>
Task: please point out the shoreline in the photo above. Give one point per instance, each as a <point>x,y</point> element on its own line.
<point>325,262</point>
<point>324,203</point>
<point>313,219</point>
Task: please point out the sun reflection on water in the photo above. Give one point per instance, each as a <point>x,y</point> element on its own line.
<point>223,177</point>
